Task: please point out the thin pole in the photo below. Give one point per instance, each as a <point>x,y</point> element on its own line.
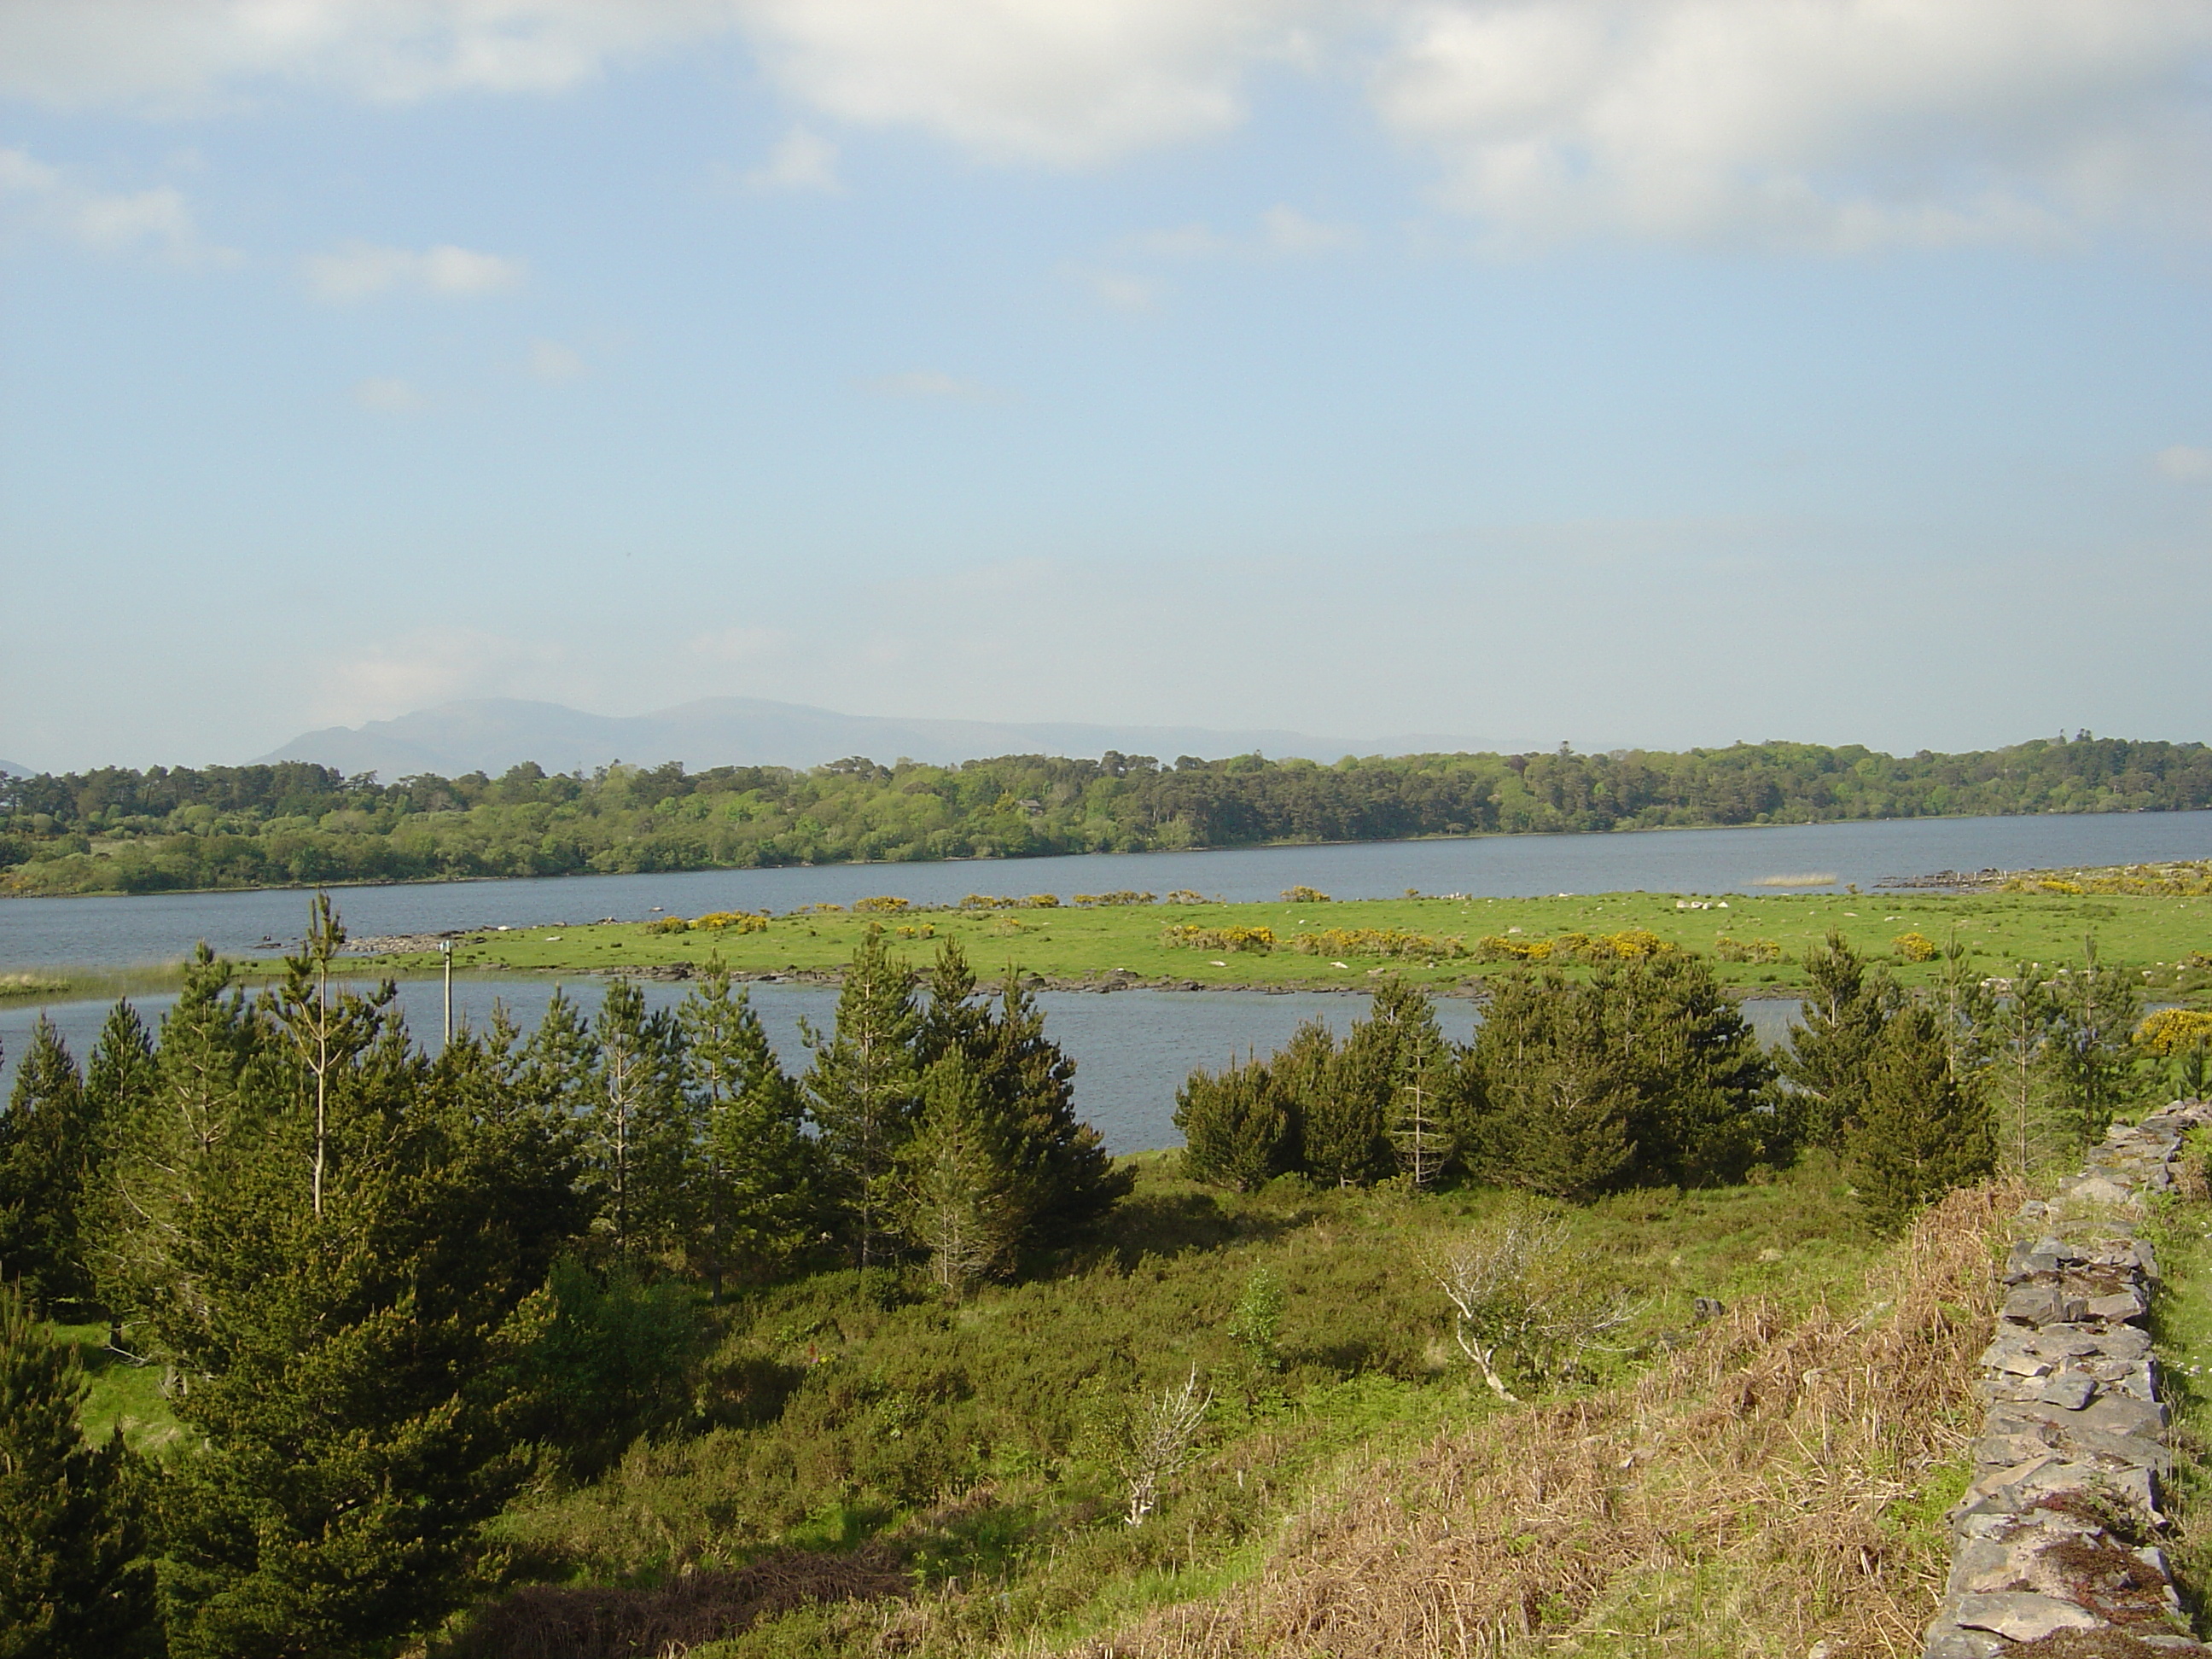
<point>446,946</point>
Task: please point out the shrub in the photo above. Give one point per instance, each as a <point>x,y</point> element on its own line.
<point>1119,896</point>
<point>1188,936</point>
<point>1235,1127</point>
<point>1306,896</point>
<point>1375,942</point>
<point>882,904</point>
<point>1735,949</point>
<point>1916,947</point>
<point>2174,1031</point>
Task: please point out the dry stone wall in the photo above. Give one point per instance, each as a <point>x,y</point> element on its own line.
<point>2059,1532</point>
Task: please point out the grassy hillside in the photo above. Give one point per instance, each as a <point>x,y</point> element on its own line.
<point>1353,1490</point>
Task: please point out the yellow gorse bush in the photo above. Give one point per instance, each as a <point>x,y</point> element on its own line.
<point>1375,942</point>
<point>1916,947</point>
<point>1190,937</point>
<point>1119,896</point>
<point>1306,896</point>
<point>884,904</point>
<point>2174,1031</point>
<point>1629,944</point>
<point>714,921</point>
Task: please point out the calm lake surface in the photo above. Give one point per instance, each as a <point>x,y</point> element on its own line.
<point>163,928</point>
<point>1133,1048</point>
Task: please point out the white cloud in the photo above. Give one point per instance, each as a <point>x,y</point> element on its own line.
<point>930,383</point>
<point>1063,82</point>
<point>802,161</point>
<point>1831,126</point>
<point>387,394</point>
<point>2185,464</point>
<point>1286,230</point>
<point>158,220</point>
<point>551,361</point>
<point>427,665</point>
<point>1120,289</point>
<point>357,271</point>
<point>171,57</point>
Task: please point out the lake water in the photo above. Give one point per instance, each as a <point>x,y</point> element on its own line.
<point>1133,1048</point>
<point>163,928</point>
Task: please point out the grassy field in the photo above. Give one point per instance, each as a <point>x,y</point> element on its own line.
<point>2155,935</point>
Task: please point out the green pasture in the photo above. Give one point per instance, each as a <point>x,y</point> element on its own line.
<point>2154,936</point>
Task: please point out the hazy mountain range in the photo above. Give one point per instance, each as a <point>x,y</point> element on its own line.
<point>490,734</point>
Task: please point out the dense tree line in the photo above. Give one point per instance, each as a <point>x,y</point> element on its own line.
<point>1648,1074</point>
<point>381,1280</point>
<point>115,830</point>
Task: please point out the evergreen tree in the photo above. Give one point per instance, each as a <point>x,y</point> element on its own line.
<point>1966,1012</point>
<point>556,1067</point>
<point>959,1186</point>
<point>758,1207</point>
<point>1415,1060</point>
<point>343,1368</point>
<point>1920,1131</point>
<point>73,1580</point>
<point>640,1133</point>
<point>168,1143</point>
<point>1704,1113</point>
<point>1067,1179</point>
<point>1546,1097</point>
<point>2019,1031</point>
<point>862,1092</point>
<point>120,1077</point>
<point>1337,1097</point>
<point>2095,1064</point>
<point>47,1148</point>
<point>1828,1054</point>
<point>1236,1130</point>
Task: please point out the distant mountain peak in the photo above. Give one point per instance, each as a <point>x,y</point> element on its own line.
<point>490,734</point>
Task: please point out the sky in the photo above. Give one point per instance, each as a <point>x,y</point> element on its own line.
<point>1658,373</point>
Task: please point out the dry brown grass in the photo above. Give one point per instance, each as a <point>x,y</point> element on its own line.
<point>1740,1497</point>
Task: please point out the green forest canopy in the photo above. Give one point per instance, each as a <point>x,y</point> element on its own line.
<point>120,831</point>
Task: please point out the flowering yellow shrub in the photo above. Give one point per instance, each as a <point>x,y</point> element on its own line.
<point>734,922</point>
<point>2183,878</point>
<point>884,905</point>
<point>1916,947</point>
<point>1119,896</point>
<point>2174,1031</point>
<point>1629,944</point>
<point>1306,896</point>
<point>1189,937</point>
<point>1374,942</point>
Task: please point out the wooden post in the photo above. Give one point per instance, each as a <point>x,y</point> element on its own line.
<point>446,947</point>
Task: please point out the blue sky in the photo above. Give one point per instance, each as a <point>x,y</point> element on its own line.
<point>1661,373</point>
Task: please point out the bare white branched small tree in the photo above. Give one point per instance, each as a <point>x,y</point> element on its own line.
<point>1160,1441</point>
<point>1518,1294</point>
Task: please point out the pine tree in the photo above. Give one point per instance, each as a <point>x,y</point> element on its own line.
<point>47,1150</point>
<point>1546,1097</point>
<point>1337,1097</point>
<point>120,1076</point>
<point>2019,1040</point>
<point>959,1186</point>
<point>1418,1067</point>
<point>73,1580</point>
<point>172,1138</point>
<point>556,1067</point>
<point>862,1092</point>
<point>1236,1131</point>
<point>2095,1067</point>
<point>758,1204</point>
<point>640,1132</point>
<point>347,1371</point>
<point>1920,1131</point>
<point>1828,1054</point>
<point>1703,1112</point>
